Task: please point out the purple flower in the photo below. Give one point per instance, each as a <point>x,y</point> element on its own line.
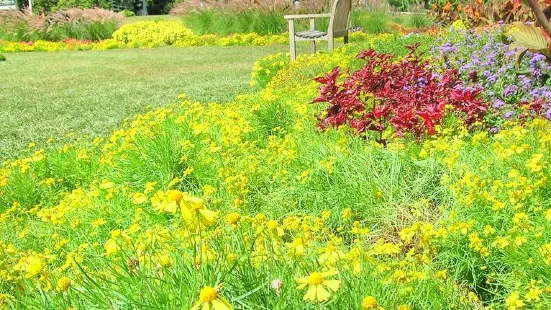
<point>510,90</point>
<point>448,48</point>
<point>508,114</point>
<point>498,103</point>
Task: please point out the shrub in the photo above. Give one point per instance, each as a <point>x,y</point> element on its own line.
<point>2,57</point>
<point>152,33</point>
<point>128,13</point>
<point>398,96</point>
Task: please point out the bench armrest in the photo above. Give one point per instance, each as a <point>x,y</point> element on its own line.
<point>301,16</point>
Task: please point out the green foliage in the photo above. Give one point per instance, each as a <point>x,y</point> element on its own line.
<point>529,38</point>
<point>128,13</point>
<point>82,4</point>
<point>44,6</point>
<point>419,21</point>
<point>225,22</point>
<point>220,22</point>
<point>371,22</point>
<point>159,7</point>
<point>88,24</point>
<point>401,5</point>
<point>2,57</point>
<point>89,31</point>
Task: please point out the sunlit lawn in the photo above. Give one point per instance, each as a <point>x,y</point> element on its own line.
<point>89,93</point>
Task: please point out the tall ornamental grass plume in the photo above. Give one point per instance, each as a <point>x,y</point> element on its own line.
<point>83,24</point>
<point>18,25</point>
<point>263,17</point>
<point>310,6</point>
<point>84,16</point>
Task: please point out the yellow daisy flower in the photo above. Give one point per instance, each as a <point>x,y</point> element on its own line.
<point>209,300</point>
<point>318,283</point>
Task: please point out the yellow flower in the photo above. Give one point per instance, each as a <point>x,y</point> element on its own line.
<point>111,245</point>
<point>149,187</point>
<point>139,198</point>
<point>63,284</point>
<point>442,274</point>
<point>369,303</point>
<point>404,307</point>
<point>534,294</point>
<point>98,222</point>
<point>32,266</point>
<point>209,299</point>
<point>167,201</point>
<point>317,283</point>
<point>195,213</point>
<point>232,218</point>
<point>346,213</point>
<point>548,215</point>
<point>513,302</point>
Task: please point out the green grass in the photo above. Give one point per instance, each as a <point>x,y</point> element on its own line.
<point>89,93</point>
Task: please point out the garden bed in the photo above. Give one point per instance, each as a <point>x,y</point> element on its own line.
<point>270,201</point>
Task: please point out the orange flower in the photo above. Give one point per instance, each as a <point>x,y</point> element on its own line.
<point>447,7</point>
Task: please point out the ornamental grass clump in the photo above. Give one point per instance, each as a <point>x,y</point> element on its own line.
<point>87,24</point>
<point>396,97</point>
<point>19,25</point>
<point>82,24</point>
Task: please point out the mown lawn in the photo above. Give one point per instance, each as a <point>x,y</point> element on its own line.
<point>88,93</point>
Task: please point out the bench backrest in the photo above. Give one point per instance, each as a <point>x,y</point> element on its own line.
<point>340,15</point>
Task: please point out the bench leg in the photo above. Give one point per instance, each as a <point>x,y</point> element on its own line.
<point>313,46</point>
<point>345,39</point>
<point>331,44</point>
<point>292,43</point>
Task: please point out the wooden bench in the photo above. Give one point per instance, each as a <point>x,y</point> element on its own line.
<point>339,21</point>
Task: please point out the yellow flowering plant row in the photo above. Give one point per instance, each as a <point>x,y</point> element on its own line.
<point>154,34</point>
<point>246,205</point>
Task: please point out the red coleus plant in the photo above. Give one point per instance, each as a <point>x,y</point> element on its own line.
<point>404,94</point>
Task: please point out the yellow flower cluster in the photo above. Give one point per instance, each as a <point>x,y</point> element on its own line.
<point>147,34</point>
<point>152,33</point>
<point>500,183</point>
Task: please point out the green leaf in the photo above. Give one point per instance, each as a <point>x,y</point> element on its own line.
<point>529,37</point>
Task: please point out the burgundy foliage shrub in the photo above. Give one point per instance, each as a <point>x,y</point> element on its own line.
<point>403,94</point>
